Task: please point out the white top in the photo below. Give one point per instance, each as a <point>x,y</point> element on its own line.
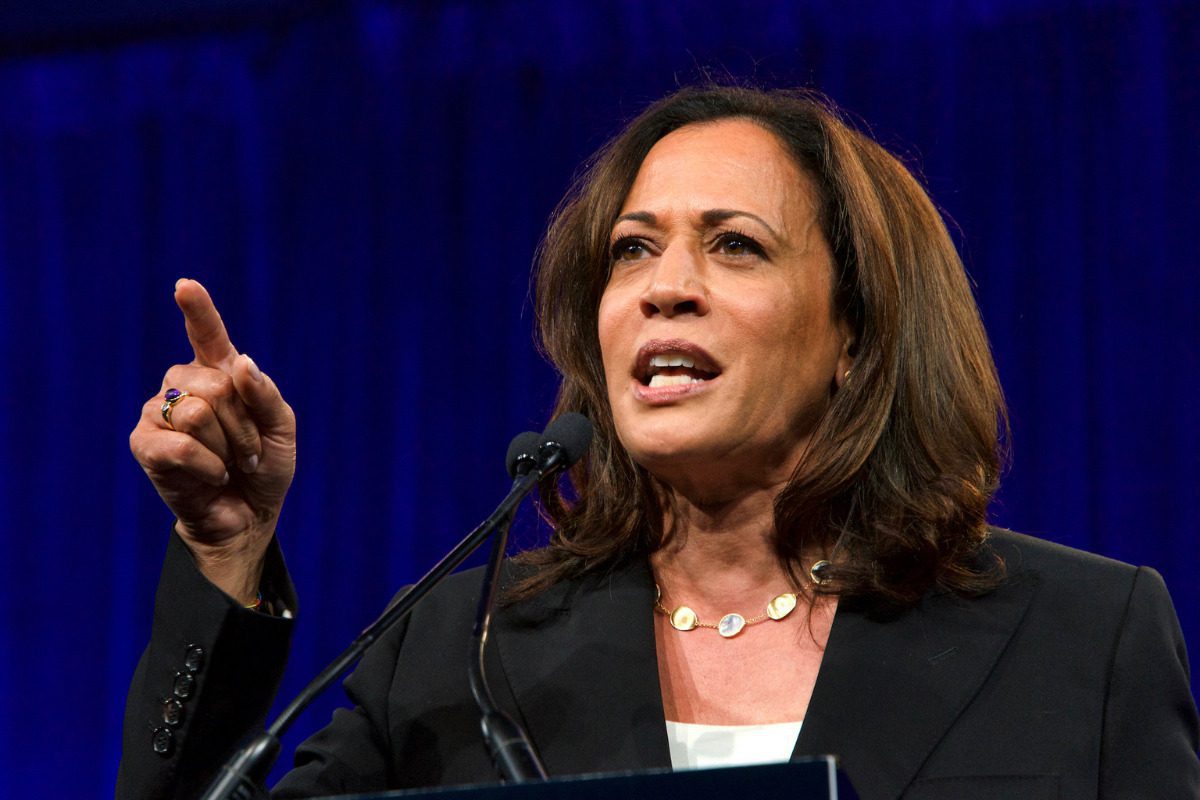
<point>696,746</point>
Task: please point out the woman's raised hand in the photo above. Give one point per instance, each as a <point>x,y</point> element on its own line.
<point>223,456</point>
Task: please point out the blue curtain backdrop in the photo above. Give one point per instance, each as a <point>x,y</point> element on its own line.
<point>361,185</point>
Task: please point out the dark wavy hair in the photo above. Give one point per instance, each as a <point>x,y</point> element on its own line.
<point>896,482</point>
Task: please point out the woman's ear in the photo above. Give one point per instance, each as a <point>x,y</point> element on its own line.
<point>845,364</point>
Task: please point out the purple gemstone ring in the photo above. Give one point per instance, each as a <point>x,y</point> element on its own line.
<point>172,397</point>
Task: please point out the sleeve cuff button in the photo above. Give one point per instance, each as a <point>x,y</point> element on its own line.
<point>172,712</point>
<point>164,741</point>
<point>194,661</point>
<point>183,686</point>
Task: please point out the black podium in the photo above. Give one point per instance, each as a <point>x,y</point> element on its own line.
<point>805,779</point>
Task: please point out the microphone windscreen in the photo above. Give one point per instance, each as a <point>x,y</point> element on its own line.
<point>523,444</point>
<point>573,433</point>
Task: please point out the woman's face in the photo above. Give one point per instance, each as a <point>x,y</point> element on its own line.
<point>721,348</point>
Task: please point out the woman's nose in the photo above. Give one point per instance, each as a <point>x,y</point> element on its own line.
<point>676,285</point>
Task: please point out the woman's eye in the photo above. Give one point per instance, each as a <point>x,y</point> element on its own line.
<point>628,249</point>
<point>737,244</point>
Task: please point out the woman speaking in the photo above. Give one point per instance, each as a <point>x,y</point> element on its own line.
<point>777,544</point>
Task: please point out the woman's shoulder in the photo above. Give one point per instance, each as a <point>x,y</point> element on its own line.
<point>1023,553</point>
<point>455,601</point>
<point>1070,582</point>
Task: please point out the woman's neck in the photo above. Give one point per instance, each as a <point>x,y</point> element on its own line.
<point>720,554</point>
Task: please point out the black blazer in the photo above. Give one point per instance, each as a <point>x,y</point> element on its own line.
<point>1070,681</point>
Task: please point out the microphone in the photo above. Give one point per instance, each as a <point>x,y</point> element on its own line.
<point>565,441</point>
<point>522,453</point>
<point>243,775</point>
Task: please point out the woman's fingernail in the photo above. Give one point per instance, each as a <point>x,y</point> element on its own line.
<point>255,372</point>
<point>225,479</point>
<point>251,464</point>
<point>181,280</point>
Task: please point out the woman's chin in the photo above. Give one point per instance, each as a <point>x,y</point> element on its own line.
<point>673,448</point>
<point>680,461</point>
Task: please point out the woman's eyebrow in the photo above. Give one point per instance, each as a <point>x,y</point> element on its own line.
<point>710,218</point>
<point>716,216</point>
<point>638,216</point>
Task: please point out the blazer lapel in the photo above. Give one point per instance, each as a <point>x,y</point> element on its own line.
<point>582,665</point>
<point>887,691</point>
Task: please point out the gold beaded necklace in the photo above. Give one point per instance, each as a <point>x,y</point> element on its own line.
<point>684,618</point>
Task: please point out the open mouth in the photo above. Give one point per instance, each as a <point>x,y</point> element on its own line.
<point>675,363</point>
<point>674,370</point>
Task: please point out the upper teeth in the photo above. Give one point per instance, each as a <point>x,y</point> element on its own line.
<point>672,360</point>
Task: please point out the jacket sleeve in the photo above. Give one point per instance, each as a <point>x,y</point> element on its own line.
<point>205,681</point>
<point>1151,733</point>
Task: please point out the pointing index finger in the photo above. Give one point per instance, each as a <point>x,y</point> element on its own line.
<point>205,330</point>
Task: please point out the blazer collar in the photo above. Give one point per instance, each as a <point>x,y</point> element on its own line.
<point>889,689</point>
<point>581,661</point>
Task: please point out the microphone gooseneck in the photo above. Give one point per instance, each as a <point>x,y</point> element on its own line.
<point>565,441</point>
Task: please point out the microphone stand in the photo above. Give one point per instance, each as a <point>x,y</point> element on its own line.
<point>242,776</point>
<point>512,752</point>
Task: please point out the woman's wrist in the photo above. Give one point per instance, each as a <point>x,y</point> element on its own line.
<point>234,567</point>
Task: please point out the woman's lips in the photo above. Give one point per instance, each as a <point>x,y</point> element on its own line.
<point>674,353</point>
<point>667,370</point>
<point>665,395</point>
